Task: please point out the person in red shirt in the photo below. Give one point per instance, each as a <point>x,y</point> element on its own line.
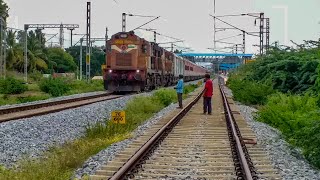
<point>207,95</point>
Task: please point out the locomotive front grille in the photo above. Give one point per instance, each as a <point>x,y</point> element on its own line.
<point>123,59</point>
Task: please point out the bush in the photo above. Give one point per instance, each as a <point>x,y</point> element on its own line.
<point>189,88</point>
<point>56,87</point>
<point>12,86</point>
<point>36,76</point>
<point>83,87</point>
<point>249,92</point>
<point>297,117</point>
<point>166,96</point>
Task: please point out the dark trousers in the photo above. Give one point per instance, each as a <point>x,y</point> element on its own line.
<point>207,107</point>
<point>180,99</point>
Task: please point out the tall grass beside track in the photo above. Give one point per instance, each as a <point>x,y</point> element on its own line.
<point>298,118</point>
<point>60,162</point>
<point>285,87</point>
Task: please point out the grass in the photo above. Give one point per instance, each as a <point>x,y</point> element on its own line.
<point>58,163</point>
<point>32,94</point>
<point>78,87</point>
<point>61,161</point>
<point>297,117</point>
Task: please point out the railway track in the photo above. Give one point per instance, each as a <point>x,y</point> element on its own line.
<point>190,145</point>
<point>26,111</point>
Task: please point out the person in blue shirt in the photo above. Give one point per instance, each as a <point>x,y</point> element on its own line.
<point>179,89</point>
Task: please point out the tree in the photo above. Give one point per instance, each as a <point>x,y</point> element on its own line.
<point>64,62</point>
<point>97,58</point>
<point>15,52</point>
<point>36,56</point>
<point>4,10</point>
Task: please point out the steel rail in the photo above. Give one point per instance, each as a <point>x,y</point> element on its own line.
<point>131,167</point>
<point>243,161</point>
<point>143,152</point>
<point>46,104</point>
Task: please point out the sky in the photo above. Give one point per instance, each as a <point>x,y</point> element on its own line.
<point>183,19</point>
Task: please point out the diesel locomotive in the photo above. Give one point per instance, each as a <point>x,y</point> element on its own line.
<point>134,64</point>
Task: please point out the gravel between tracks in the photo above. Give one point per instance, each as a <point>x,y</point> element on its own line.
<point>288,160</point>
<point>32,136</point>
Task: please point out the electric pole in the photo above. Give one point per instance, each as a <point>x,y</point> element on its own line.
<point>71,34</point>
<point>106,41</point>
<point>80,61</point>
<point>88,41</point>
<point>268,33</point>
<point>26,27</point>
<point>214,21</point>
<point>2,48</point>
<point>261,32</point>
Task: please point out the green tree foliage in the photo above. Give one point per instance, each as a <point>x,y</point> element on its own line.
<point>14,51</point>
<point>36,56</point>
<point>293,70</point>
<point>97,58</point>
<point>4,9</point>
<point>287,70</point>
<point>40,58</point>
<point>63,62</point>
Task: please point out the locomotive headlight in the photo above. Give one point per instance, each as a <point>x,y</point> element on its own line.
<point>138,71</point>
<point>110,70</point>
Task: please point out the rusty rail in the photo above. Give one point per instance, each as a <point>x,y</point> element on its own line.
<point>47,104</point>
<point>244,167</point>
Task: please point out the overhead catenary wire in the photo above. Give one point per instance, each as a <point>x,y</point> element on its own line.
<point>146,23</point>
<point>229,37</point>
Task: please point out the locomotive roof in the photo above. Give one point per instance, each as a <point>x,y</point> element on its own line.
<point>130,33</point>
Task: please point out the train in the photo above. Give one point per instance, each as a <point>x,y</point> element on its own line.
<point>134,65</point>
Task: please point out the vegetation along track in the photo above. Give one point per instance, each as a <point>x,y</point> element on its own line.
<point>26,111</point>
<point>190,145</point>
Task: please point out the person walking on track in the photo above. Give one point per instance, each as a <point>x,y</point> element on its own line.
<point>207,95</point>
<point>179,89</point>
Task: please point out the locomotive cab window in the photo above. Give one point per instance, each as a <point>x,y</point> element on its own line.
<point>144,48</point>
